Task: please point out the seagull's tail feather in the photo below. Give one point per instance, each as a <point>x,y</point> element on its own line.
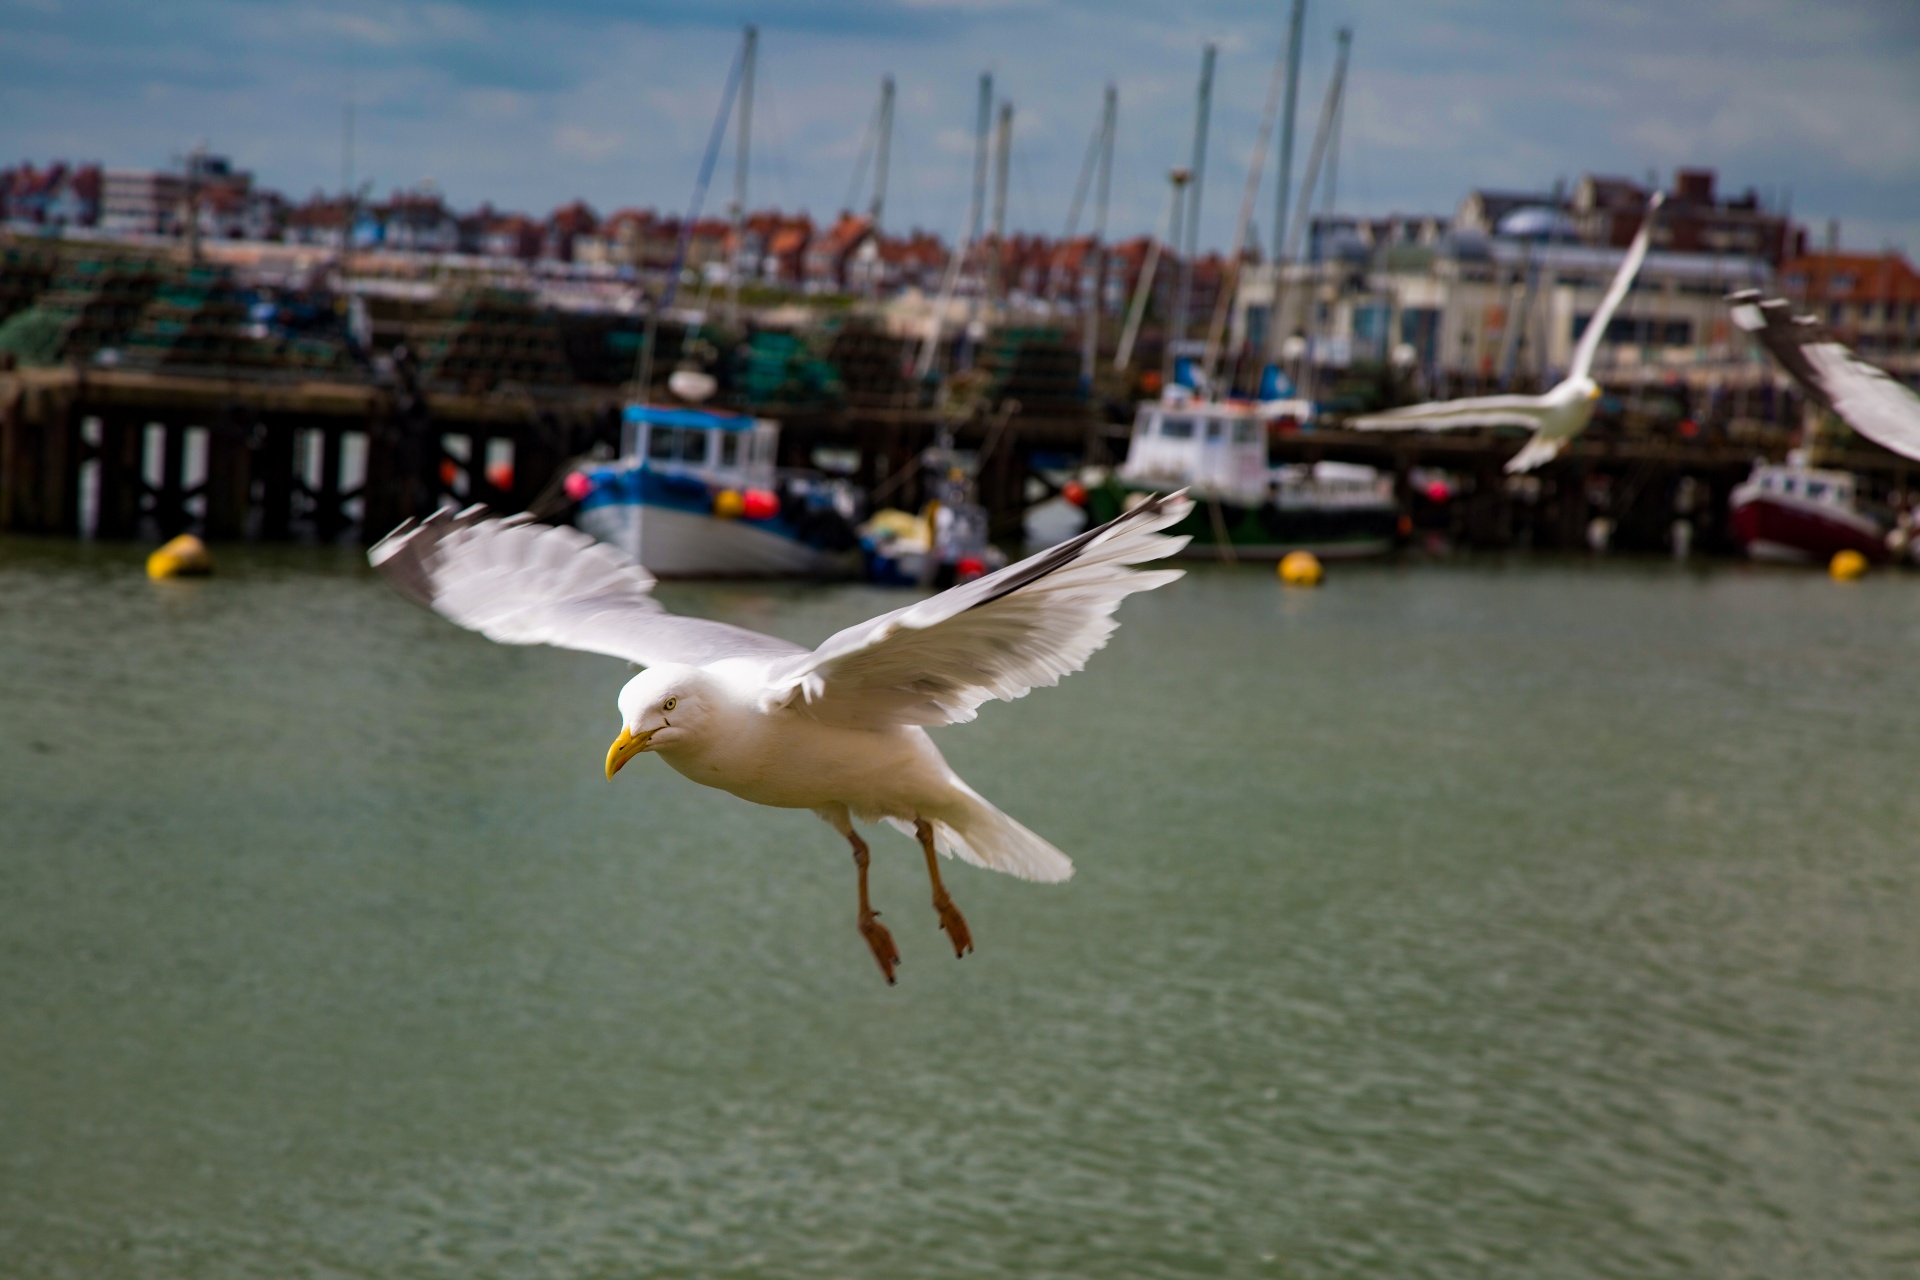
<point>977,832</point>
<point>1536,452</point>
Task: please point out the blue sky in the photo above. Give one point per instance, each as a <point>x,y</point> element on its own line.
<point>611,99</point>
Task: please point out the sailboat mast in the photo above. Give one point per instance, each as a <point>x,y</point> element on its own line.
<point>1183,295</point>
<point>643,361</point>
<point>1328,109</point>
<point>1002,148</point>
<point>1223,299</point>
<point>1286,131</point>
<point>1339,120</point>
<point>983,124</point>
<point>1097,251</point>
<point>750,42</point>
<point>883,147</point>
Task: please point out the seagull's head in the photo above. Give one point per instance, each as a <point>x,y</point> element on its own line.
<point>662,706</point>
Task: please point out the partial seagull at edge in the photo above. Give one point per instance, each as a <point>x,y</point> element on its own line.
<point>1866,398</point>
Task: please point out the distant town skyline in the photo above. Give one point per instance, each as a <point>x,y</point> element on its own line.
<point>612,102</point>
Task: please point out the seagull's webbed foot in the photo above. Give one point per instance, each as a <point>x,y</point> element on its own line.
<point>879,940</point>
<point>951,920</point>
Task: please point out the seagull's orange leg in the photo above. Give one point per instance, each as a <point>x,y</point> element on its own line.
<point>950,918</point>
<point>879,941</point>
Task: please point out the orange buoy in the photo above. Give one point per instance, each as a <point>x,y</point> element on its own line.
<point>1301,569</point>
<point>183,557</point>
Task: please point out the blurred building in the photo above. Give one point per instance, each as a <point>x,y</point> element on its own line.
<point>60,195</point>
<point>145,202</point>
<point>1870,301</point>
<point>1504,288</point>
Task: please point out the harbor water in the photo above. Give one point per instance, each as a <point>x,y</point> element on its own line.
<point>1551,918</point>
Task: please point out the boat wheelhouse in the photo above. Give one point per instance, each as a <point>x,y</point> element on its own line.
<point>696,493</point>
<point>1217,450</point>
<point>1245,507</point>
<point>1803,514</point>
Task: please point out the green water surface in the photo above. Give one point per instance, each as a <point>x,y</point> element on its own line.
<point>1481,920</point>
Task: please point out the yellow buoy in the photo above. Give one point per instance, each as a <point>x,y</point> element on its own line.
<point>1847,565</point>
<point>728,504</point>
<point>186,556</point>
<point>1301,569</point>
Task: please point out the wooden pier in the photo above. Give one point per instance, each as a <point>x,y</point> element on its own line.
<point>110,453</point>
<point>115,454</point>
<point>119,454</point>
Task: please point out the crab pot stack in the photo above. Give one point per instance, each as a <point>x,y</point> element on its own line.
<point>1036,366</point>
<point>604,351</point>
<point>782,370</point>
<point>490,337</point>
<point>24,276</point>
<point>871,364</point>
<point>91,305</point>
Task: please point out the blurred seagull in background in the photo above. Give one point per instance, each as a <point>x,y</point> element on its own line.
<point>1555,417</point>
<point>1868,399</point>
<point>841,729</point>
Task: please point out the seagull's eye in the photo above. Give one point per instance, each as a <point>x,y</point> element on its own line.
<point>670,704</point>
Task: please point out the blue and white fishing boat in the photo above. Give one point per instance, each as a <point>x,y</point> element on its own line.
<point>696,494</point>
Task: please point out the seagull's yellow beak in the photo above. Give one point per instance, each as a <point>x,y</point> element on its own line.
<point>626,747</point>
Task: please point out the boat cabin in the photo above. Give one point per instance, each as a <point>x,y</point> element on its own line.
<point>727,450</point>
<point>1828,488</point>
<point>1219,450</point>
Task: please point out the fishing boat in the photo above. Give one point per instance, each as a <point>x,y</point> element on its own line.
<point>946,543</point>
<point>696,494</point>
<point>1246,508</point>
<point>1798,513</point>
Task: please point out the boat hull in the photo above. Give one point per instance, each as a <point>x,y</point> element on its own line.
<point>685,544</point>
<point>1776,528</point>
<point>1273,530</point>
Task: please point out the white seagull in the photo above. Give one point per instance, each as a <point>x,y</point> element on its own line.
<point>1555,417</point>
<point>1867,398</point>
<point>840,730</point>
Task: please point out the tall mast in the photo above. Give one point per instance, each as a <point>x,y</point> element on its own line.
<point>1077,205</point>
<point>1143,288</point>
<point>1183,297</point>
<point>643,360</point>
<point>750,42</point>
<point>1328,110</point>
<point>1339,122</point>
<point>1286,130</point>
<point>346,189</point>
<point>1097,251</point>
<point>1003,147</point>
<point>1230,279</point>
<point>982,125</point>
<point>882,147</point>
<point>1176,212</point>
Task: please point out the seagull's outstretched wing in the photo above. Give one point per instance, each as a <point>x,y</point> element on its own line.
<point>1867,398</point>
<point>1450,415</point>
<point>999,636</point>
<point>1596,329</point>
<point>519,582</point>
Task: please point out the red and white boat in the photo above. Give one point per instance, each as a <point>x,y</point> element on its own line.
<point>1801,514</point>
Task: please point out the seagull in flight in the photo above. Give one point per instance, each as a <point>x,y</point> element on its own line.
<point>841,729</point>
<point>1867,398</point>
<point>1556,417</point>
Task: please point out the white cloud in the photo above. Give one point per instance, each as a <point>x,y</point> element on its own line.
<point>582,143</point>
